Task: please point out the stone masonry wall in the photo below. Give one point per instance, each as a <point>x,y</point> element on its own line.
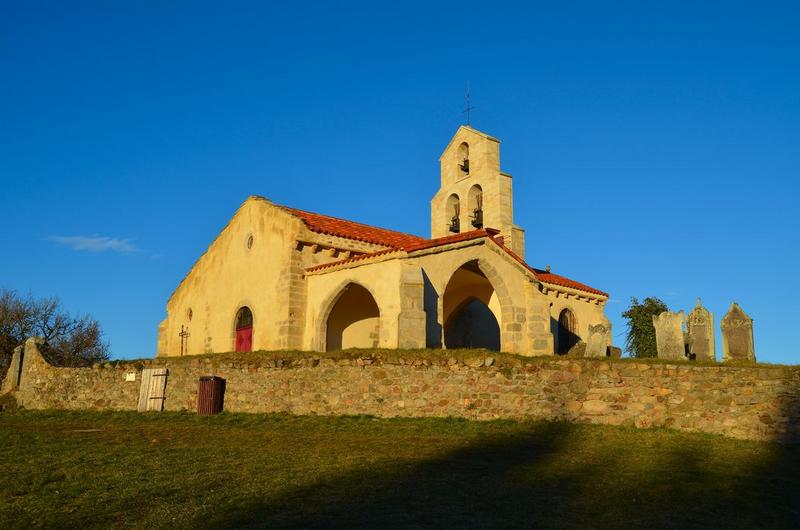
<point>749,402</point>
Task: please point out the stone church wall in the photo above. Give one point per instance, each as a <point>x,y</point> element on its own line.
<point>760,403</point>
<point>248,264</point>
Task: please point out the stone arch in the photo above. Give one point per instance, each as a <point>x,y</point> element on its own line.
<point>493,293</point>
<point>488,270</point>
<point>356,319</point>
<point>567,335</point>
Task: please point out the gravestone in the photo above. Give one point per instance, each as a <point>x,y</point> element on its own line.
<point>14,373</point>
<point>669,336</point>
<point>737,336</point>
<point>700,333</point>
<point>599,339</point>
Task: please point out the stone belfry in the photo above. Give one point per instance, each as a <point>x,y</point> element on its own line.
<point>474,193</point>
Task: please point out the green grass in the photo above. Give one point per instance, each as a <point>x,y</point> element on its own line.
<point>177,470</point>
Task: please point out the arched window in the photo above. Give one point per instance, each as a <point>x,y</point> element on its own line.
<point>567,331</point>
<point>453,213</point>
<point>475,202</point>
<point>463,158</point>
<point>244,330</point>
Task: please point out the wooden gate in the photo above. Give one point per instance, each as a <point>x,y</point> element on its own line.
<point>152,392</point>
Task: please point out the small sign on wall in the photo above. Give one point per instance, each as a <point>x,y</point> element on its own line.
<point>130,376</point>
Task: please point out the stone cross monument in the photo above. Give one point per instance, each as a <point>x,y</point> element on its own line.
<point>700,333</point>
<point>737,335</point>
<point>669,336</point>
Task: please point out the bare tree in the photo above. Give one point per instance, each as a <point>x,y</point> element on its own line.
<point>68,340</point>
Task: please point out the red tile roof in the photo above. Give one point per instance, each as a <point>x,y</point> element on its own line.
<point>549,277</point>
<point>426,243</point>
<point>324,224</point>
<point>360,257</point>
<point>455,238</point>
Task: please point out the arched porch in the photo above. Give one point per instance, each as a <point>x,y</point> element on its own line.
<point>473,309</point>
<point>352,320</point>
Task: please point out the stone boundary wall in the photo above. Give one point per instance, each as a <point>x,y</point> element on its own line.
<point>749,402</point>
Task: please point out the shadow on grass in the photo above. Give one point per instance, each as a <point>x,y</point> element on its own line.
<point>512,482</point>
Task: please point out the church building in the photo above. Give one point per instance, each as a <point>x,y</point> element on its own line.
<point>280,278</point>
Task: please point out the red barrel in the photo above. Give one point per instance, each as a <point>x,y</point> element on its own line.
<point>210,395</point>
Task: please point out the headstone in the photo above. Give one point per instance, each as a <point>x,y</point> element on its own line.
<point>14,373</point>
<point>737,336</point>
<point>599,339</point>
<point>669,336</point>
<point>700,333</point>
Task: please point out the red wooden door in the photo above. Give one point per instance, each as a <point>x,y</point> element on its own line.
<point>244,339</point>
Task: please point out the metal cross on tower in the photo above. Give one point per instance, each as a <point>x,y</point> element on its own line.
<point>184,335</point>
<point>469,104</point>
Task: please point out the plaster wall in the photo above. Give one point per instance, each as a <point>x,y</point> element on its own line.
<point>382,279</point>
<point>231,275</point>
<point>586,311</point>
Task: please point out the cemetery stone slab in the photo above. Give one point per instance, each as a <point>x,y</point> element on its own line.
<point>737,335</point>
<point>599,339</point>
<point>700,333</point>
<point>669,336</point>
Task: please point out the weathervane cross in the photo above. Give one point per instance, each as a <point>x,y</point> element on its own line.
<point>469,105</point>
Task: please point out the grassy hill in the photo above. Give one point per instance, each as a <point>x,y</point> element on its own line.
<point>179,470</point>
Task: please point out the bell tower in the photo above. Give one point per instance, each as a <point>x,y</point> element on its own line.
<point>474,193</point>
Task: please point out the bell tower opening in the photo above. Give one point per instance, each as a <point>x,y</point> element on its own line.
<point>463,157</point>
<point>454,213</point>
<point>472,183</point>
<point>475,201</point>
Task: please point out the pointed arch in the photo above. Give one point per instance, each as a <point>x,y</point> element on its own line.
<point>467,323</point>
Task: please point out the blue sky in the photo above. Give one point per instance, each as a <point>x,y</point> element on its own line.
<point>655,147</point>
